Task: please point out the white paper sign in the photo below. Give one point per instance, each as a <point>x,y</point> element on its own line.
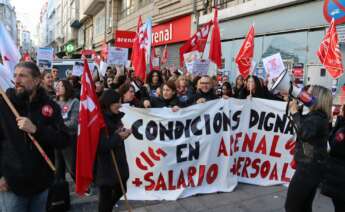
<point>103,68</point>
<point>274,65</point>
<point>78,68</point>
<point>117,56</point>
<point>45,57</point>
<point>200,67</point>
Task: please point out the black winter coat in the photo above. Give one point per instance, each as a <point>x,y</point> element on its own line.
<point>312,136</point>
<point>334,180</point>
<point>199,94</point>
<point>105,173</point>
<point>157,102</point>
<point>21,164</point>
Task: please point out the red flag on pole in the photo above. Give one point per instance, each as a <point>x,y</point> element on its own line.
<point>329,52</point>
<point>196,42</point>
<point>164,59</point>
<point>245,55</point>
<point>215,53</point>
<point>138,52</point>
<point>90,124</point>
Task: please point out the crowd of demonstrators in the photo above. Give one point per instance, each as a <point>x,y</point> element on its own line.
<point>172,89</point>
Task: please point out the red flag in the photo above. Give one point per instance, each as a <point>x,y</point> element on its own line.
<point>164,59</point>
<point>138,52</point>
<point>196,42</point>
<point>329,52</point>
<point>90,124</point>
<point>215,53</point>
<point>245,55</point>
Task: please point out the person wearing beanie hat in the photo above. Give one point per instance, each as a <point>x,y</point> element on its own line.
<point>111,139</point>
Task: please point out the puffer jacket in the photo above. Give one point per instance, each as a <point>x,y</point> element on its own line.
<point>312,136</point>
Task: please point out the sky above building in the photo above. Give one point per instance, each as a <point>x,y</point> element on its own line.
<point>28,12</point>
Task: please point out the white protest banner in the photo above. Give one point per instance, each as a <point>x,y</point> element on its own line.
<point>274,65</point>
<point>45,57</point>
<point>264,145</point>
<point>117,56</point>
<point>200,67</point>
<point>207,148</point>
<point>78,68</point>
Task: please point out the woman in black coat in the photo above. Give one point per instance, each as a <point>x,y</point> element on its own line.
<point>111,139</point>
<point>310,151</point>
<point>334,182</point>
<point>168,98</point>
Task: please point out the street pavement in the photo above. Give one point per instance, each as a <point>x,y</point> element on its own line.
<point>246,198</point>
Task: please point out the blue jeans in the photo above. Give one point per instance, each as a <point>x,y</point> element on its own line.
<point>10,202</point>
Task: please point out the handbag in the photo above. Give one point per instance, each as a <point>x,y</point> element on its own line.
<point>58,197</point>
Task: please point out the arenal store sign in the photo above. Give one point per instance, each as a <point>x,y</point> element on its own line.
<point>171,32</point>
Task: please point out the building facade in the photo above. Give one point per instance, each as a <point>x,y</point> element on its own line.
<point>8,18</point>
<point>43,29</point>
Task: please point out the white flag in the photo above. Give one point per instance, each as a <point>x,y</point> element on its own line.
<point>5,80</point>
<point>9,52</point>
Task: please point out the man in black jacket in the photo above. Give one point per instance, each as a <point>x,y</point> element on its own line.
<point>24,174</point>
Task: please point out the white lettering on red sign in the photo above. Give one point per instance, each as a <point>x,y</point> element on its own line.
<point>163,35</point>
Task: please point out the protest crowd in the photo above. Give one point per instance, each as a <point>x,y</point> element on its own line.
<point>48,128</point>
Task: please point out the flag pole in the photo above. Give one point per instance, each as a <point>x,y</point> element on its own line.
<point>120,180</point>
<point>37,145</point>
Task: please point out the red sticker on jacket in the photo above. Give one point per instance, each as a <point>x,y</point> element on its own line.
<point>47,111</point>
<point>65,108</point>
<point>339,137</point>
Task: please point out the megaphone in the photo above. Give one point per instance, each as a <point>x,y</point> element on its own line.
<point>284,84</point>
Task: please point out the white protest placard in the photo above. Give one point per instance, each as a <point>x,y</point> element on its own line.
<point>78,68</point>
<point>103,68</point>
<point>45,57</point>
<point>207,148</point>
<point>117,56</point>
<point>189,59</point>
<point>200,67</point>
<point>274,65</point>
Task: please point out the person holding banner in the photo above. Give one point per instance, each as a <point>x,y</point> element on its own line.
<point>24,172</point>
<point>239,89</point>
<point>111,141</point>
<point>127,93</point>
<point>310,151</point>
<point>204,90</point>
<point>254,88</point>
<point>333,184</point>
<point>168,98</point>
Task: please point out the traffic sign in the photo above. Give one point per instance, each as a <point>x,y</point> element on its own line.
<point>334,9</point>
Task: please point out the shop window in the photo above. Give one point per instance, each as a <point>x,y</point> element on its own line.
<point>291,46</point>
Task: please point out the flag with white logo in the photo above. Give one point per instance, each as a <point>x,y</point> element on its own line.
<point>10,57</point>
<point>91,122</point>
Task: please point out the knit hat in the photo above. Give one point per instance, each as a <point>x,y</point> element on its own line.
<point>109,97</point>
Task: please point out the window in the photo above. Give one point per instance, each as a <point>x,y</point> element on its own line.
<point>99,23</point>
<point>127,8</point>
<point>322,72</point>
